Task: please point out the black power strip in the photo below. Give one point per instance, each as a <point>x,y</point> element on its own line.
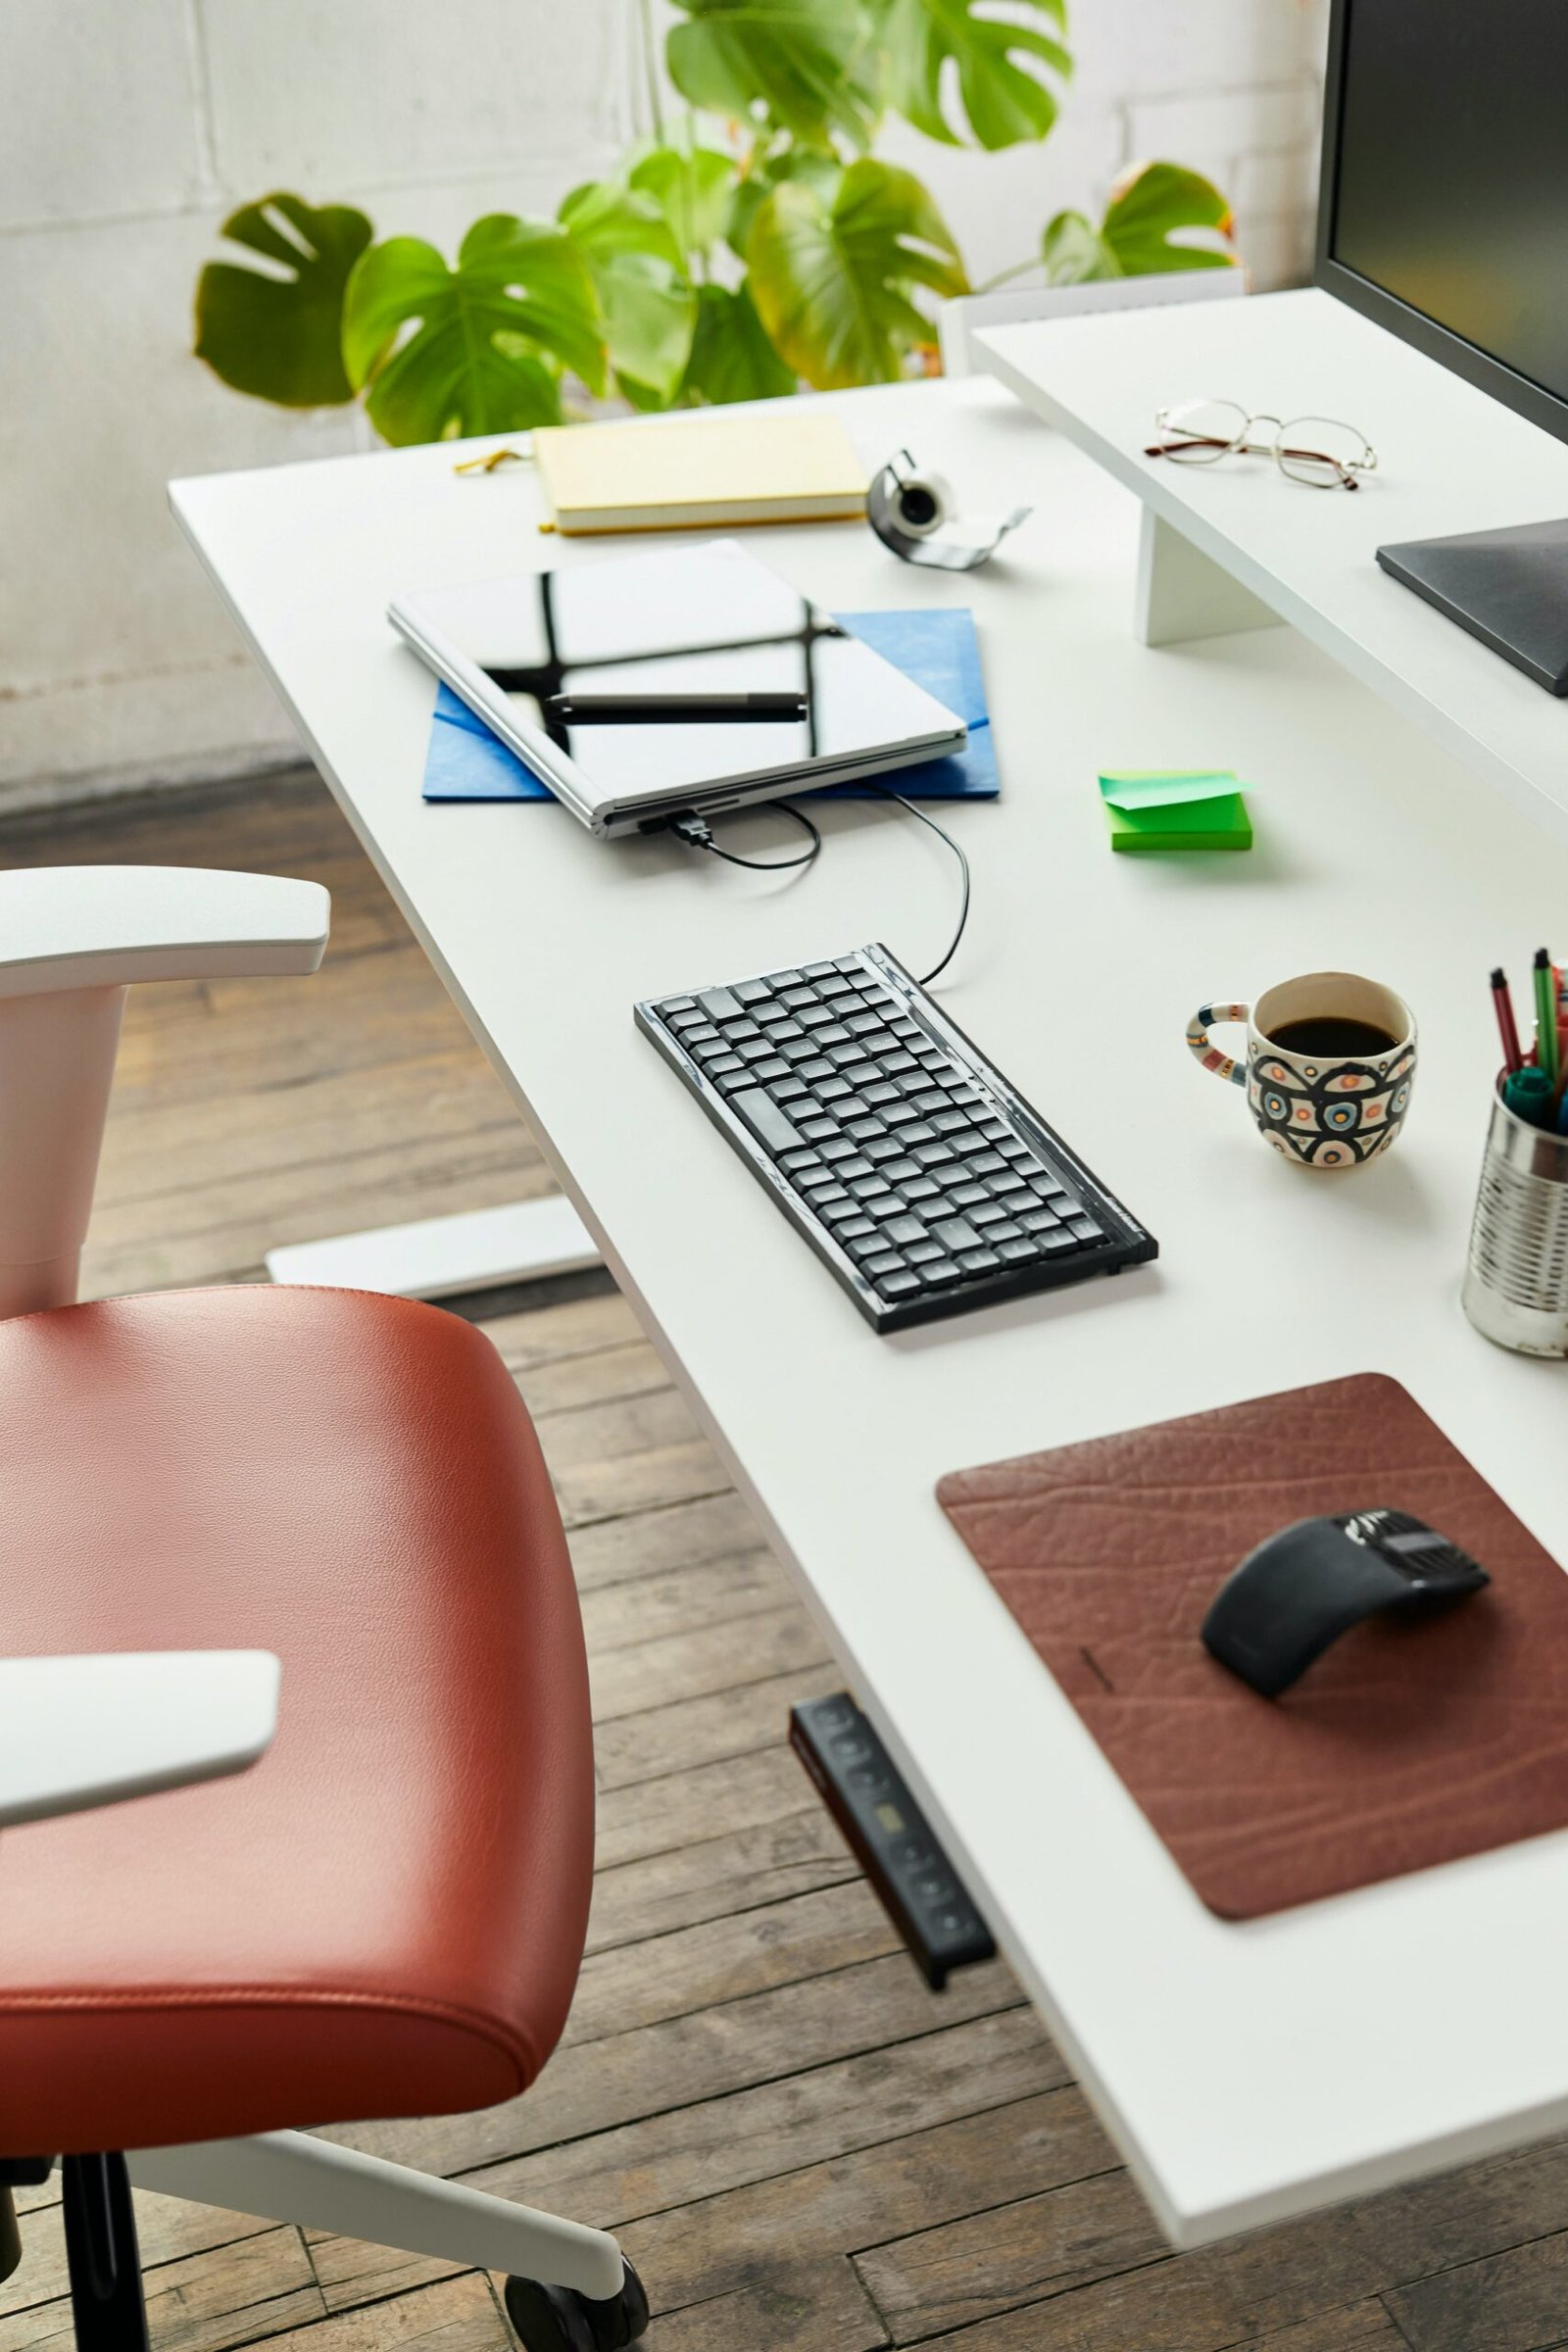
<point>889,1837</point>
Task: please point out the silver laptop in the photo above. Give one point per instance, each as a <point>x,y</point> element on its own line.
<point>637,687</point>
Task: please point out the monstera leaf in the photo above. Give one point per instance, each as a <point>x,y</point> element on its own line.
<point>279,337</point>
<point>639,272</point>
<point>732,358</point>
<point>832,280</point>
<point>1148,206</point>
<point>488,337</point>
<point>692,188</point>
<point>1002,100</point>
<point>799,60</point>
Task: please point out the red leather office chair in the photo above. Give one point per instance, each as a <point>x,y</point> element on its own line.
<point>384,1914</point>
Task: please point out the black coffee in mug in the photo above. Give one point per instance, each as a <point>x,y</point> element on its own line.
<point>1326,1038</point>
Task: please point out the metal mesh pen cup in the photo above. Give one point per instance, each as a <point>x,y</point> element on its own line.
<point>1516,1283</point>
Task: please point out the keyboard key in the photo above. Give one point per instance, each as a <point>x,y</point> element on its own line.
<point>676,1004</point>
<point>858,1229</point>
<point>931,1155</point>
<point>901,1229</point>
<point>956,1233</point>
<point>940,1273</point>
<point>820,1131</point>
<point>718,1004</point>
<point>1006,1231</point>
<point>886,1261</point>
<point>929,1102</point>
<point>979,1261</point>
<point>922,1253</point>
<point>987,1163</point>
<point>988,1213</point>
<point>772,1126</point>
<point>837,1149</point>
<point>882,1094</point>
<point>1058,1242</point>
<point>1019,1253</point>
<point>922,1189</point>
<point>968,1194</point>
<point>797,1049</point>
<point>902,1284</point>
<point>950,1122</point>
<point>854,1169</point>
<point>819,971</point>
<point>751,992</point>
<point>879,1148</point>
<point>815,1069</point>
<point>1038,1220</point>
<point>728,1067</point>
<point>1083,1228</point>
<point>832,1090</point>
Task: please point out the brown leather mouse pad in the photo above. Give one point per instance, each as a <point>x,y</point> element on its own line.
<point>1408,1743</point>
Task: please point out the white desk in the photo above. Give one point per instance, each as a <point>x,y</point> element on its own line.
<point>1248,2072</point>
<point>1450,458</point>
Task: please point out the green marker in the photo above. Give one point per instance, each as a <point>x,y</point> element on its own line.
<point>1528,1093</point>
<point>1546,1016</point>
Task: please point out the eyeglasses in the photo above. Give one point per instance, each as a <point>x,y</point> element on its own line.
<point>1316,450</point>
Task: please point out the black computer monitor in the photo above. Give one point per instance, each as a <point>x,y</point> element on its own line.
<point>1443,215</point>
<point>1444,212</point>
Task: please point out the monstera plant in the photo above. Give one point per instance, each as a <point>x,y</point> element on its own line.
<point>753,244</point>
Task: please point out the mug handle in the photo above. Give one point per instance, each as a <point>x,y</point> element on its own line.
<point>1201,1045</point>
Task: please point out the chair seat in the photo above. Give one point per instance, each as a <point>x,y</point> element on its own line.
<point>386,1915</point>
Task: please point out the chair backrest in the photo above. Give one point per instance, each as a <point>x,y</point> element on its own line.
<point>957,320</point>
<point>72,938</point>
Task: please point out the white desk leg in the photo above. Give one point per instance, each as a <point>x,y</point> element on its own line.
<point>1182,594</point>
<point>290,2177</point>
<point>440,1257</point>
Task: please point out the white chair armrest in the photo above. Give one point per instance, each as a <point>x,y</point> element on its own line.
<point>77,1731</point>
<point>97,926</point>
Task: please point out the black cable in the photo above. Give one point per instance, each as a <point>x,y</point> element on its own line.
<point>887,792</point>
<point>694,831</point>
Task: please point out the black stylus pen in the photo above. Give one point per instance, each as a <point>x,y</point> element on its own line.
<point>653,709</point>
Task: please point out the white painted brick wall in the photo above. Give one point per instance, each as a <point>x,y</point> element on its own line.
<point>140,123</point>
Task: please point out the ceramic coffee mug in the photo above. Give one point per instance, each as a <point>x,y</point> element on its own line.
<point>1330,1064</point>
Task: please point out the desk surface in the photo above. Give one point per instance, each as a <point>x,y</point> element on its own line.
<point>1248,2071</point>
<point>1450,458</point>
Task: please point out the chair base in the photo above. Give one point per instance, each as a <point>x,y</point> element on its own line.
<point>292,2176</point>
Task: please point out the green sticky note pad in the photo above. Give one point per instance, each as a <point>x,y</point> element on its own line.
<point>1175,808</point>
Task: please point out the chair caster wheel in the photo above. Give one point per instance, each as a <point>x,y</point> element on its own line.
<point>558,2318</point>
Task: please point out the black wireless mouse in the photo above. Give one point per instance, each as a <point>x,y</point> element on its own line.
<point>1299,1589</point>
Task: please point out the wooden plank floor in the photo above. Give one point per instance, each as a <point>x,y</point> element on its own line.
<point>802,2150</point>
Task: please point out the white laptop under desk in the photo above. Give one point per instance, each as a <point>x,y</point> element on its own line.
<point>1247,2071</point>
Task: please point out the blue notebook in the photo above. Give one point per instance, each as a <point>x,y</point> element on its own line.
<point>936,648</point>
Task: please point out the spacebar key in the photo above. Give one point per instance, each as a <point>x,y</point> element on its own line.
<point>767,1121</point>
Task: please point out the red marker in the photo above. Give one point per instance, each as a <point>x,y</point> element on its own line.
<point>1512,1058</point>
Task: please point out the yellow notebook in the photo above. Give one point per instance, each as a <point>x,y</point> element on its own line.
<point>793,464</point>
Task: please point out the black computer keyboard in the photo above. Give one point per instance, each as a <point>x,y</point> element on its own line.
<point>915,1170</point>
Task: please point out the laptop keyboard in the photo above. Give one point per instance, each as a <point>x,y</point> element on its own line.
<point>919,1176</point>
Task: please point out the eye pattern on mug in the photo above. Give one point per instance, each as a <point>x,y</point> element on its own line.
<point>1348,1113</point>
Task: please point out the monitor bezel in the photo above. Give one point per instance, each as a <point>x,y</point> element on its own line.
<point>1520,393</point>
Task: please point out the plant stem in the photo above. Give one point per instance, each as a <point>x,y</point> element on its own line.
<point>1003,275</point>
<point>645,13</point>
